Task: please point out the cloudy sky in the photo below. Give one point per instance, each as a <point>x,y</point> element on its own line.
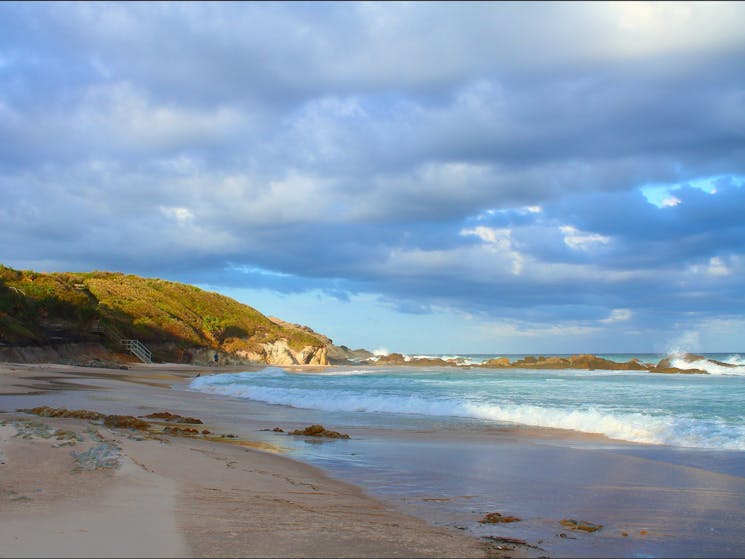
<point>423,177</point>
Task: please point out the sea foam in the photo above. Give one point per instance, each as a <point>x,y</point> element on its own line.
<point>658,428</point>
<point>737,368</point>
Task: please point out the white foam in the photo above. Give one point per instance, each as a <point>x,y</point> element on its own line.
<point>339,373</point>
<point>736,359</point>
<point>708,366</point>
<point>634,427</point>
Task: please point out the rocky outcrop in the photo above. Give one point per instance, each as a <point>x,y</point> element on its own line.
<point>342,355</point>
<point>581,361</point>
<point>666,364</point>
<point>496,363</point>
<point>319,431</point>
<point>398,359</point>
<point>280,353</point>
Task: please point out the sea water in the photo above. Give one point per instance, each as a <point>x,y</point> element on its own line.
<point>685,410</point>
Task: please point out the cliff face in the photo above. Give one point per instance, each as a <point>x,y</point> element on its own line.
<point>280,353</point>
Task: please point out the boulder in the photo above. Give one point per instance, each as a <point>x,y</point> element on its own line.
<point>319,431</point>
<point>498,518</point>
<point>573,524</point>
<point>496,363</point>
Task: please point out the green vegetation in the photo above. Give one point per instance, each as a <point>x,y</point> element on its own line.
<point>41,308</point>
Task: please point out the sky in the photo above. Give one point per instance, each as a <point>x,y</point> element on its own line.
<point>414,177</point>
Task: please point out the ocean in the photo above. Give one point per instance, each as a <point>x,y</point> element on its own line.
<point>657,459</point>
<point>691,410</point>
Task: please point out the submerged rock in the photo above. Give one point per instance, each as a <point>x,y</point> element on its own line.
<point>497,518</point>
<point>580,525</point>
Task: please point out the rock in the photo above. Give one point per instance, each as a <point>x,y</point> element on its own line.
<point>580,525</point>
<point>168,416</point>
<point>580,361</point>
<point>102,456</point>
<point>391,359</point>
<point>342,355</point>
<point>125,422</point>
<point>398,359</point>
<point>497,518</point>
<point>497,362</point>
<point>279,353</point>
<point>173,430</point>
<point>46,411</point>
<point>319,356</point>
<point>319,431</point>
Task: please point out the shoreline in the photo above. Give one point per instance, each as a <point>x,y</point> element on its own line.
<point>435,482</point>
<point>200,498</point>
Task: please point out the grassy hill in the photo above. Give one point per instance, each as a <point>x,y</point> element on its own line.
<point>44,308</point>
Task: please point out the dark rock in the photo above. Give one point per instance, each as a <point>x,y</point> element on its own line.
<point>580,525</point>
<point>174,430</point>
<point>319,431</point>
<point>125,422</point>
<point>497,518</point>
<point>168,416</point>
<point>46,411</point>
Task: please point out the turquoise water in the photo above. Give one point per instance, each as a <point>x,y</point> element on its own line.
<point>691,411</point>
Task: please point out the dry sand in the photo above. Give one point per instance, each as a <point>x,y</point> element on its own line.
<point>170,496</point>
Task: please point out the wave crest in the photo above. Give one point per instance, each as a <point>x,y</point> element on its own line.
<point>633,427</point>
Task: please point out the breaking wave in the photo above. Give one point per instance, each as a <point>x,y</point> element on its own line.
<point>661,428</point>
<point>732,365</point>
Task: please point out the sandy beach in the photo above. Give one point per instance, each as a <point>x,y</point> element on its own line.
<point>146,495</point>
<point>416,489</point>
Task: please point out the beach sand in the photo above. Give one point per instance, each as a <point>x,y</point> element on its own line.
<point>173,496</point>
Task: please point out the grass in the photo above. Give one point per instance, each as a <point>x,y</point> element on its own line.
<point>39,307</point>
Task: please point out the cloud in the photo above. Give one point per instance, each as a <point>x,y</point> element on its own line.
<point>574,164</point>
<point>618,315</point>
<point>581,241</point>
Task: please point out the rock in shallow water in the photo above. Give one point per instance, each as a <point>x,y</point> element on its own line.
<point>319,431</point>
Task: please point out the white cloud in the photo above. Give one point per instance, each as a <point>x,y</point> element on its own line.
<point>178,214</point>
<point>121,113</point>
<point>532,330</point>
<point>580,240</point>
<point>618,315</point>
<point>499,241</point>
<point>715,267</point>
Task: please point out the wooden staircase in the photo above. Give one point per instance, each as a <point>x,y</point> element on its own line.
<point>139,349</point>
<point>136,347</point>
